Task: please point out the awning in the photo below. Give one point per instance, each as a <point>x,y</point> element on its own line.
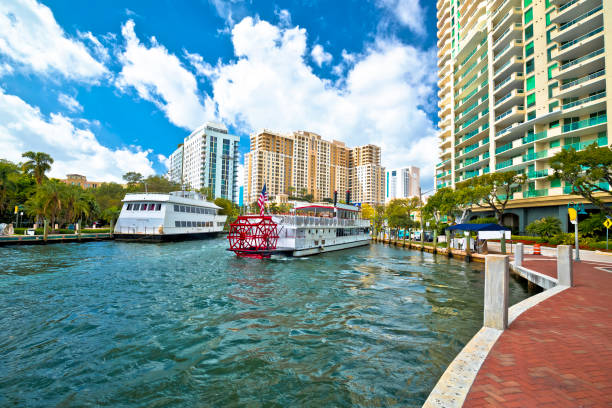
<point>478,227</point>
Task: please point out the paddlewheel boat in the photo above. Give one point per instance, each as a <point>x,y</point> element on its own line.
<point>308,230</point>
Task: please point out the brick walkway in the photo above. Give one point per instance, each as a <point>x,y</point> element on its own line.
<point>557,354</point>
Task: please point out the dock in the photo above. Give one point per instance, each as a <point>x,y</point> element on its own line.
<point>53,238</point>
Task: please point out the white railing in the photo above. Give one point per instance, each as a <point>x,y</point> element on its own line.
<point>304,221</point>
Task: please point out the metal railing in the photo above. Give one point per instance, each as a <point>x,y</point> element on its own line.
<point>585,100</point>
<point>582,37</point>
<point>581,59</point>
<point>583,79</point>
<point>579,18</point>
<point>306,221</point>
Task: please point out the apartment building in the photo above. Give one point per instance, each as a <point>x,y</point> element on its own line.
<point>366,175</point>
<point>208,157</point>
<point>403,182</point>
<point>297,164</point>
<point>79,180</point>
<point>519,81</point>
<point>175,165</point>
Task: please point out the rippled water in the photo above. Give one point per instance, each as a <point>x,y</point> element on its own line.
<point>188,324</point>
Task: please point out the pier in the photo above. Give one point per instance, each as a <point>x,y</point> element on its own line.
<point>53,238</point>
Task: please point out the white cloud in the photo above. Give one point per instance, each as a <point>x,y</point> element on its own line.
<point>159,77</point>
<point>165,161</point>
<point>383,100</point>
<point>5,69</point>
<point>284,17</point>
<point>99,49</point>
<point>320,56</point>
<point>202,67</point>
<point>29,35</point>
<point>75,149</point>
<point>407,12</point>
<point>70,103</point>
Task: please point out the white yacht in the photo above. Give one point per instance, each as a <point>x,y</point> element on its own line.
<point>308,230</point>
<point>177,216</point>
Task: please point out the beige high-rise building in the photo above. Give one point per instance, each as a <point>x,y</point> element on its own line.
<point>519,81</point>
<point>366,175</point>
<point>302,163</point>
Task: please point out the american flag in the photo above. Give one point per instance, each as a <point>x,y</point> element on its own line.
<point>263,197</point>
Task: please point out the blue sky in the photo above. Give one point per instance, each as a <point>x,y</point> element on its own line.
<point>108,87</point>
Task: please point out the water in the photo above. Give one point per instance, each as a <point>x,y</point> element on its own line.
<point>189,324</point>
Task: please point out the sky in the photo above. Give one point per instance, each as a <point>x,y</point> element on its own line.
<point>108,87</point>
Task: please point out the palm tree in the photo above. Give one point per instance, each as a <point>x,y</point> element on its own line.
<point>48,200</point>
<point>8,176</point>
<point>38,165</point>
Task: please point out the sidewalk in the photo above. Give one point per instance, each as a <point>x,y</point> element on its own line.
<point>558,353</point>
<point>585,255</point>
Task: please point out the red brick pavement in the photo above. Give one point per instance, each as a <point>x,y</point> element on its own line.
<point>556,354</point>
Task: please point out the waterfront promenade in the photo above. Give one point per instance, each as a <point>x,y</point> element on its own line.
<point>559,352</point>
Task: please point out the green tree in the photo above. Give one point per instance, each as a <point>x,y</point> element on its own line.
<point>367,212</point>
<point>492,191</point>
<point>588,172</point>
<point>38,164</point>
<point>9,174</point>
<point>593,225</point>
<point>108,195</point>
<point>48,201</point>
<point>133,178</point>
<point>398,212</point>
<point>207,192</point>
<point>110,214</point>
<point>159,184</point>
<point>227,208</point>
<point>545,227</point>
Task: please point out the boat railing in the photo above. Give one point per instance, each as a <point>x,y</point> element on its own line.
<point>306,221</point>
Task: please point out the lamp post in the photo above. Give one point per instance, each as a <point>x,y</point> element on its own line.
<point>573,209</point>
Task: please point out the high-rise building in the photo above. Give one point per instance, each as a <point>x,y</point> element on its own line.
<point>208,158</point>
<point>402,183</point>
<point>367,176</point>
<point>519,81</point>
<point>175,165</point>
<point>302,163</point>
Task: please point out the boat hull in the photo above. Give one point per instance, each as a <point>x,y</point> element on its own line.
<point>329,248</point>
<point>165,237</point>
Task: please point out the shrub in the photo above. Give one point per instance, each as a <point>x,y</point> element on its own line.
<point>527,238</point>
<point>545,227</point>
<point>95,230</point>
<point>562,239</point>
<point>593,225</point>
<point>484,220</point>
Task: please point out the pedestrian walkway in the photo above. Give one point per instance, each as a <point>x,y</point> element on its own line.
<point>558,353</point>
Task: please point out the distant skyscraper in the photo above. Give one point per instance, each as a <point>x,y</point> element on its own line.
<point>402,183</point>
<point>208,157</point>
<point>366,175</point>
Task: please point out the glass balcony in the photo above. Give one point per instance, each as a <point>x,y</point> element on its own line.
<point>534,137</point>
<point>537,174</point>
<point>584,100</point>
<point>503,148</point>
<point>583,79</point>
<point>581,145</point>
<point>565,26</point>
<point>535,155</point>
<point>504,164</point>
<point>581,59</point>
<point>584,123</point>
<point>535,193</point>
<point>582,37</point>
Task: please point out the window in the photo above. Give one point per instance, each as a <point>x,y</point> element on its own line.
<point>157,207</point>
<point>553,106</point>
<point>549,52</point>
<point>182,208</point>
<point>548,40</point>
<point>551,69</point>
<point>528,32</point>
<point>551,88</point>
<point>555,183</point>
<point>183,224</point>
<point>529,66</point>
<point>548,3</point>
<point>129,207</point>
<point>151,207</point>
<point>531,115</point>
<point>529,49</point>
<point>530,83</point>
<point>526,3</point>
<point>177,224</point>
<point>548,18</point>
<point>528,15</point>
<point>555,143</point>
<point>143,207</point>
<point>531,100</point>
<point>176,208</point>
<point>553,124</point>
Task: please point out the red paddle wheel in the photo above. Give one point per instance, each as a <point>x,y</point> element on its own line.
<point>253,236</point>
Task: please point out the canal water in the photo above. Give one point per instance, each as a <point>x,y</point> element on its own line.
<point>189,324</point>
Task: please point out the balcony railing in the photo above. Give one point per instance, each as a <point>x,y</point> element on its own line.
<point>580,146</point>
<point>581,59</point>
<point>505,81</point>
<point>584,123</point>
<point>534,137</point>
<point>504,164</point>
<point>503,148</point>
<point>582,37</point>
<point>583,79</point>
<point>568,4</point>
<point>537,174</point>
<point>535,155</point>
<point>535,193</point>
<point>585,100</point>
<point>508,112</point>
<point>579,18</point>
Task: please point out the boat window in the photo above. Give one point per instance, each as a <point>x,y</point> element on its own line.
<point>176,208</point>
<point>151,207</point>
<point>177,224</point>
<point>182,208</point>
<point>189,223</point>
<point>183,223</point>
<point>192,209</point>
<point>128,207</point>
<point>143,207</point>
<point>200,210</point>
<point>157,207</point>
